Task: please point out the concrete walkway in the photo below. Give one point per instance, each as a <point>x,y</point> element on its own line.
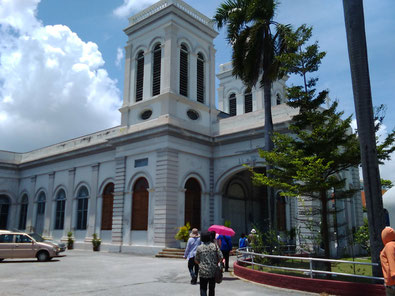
<point>101,273</point>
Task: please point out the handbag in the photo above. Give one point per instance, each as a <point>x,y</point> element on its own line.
<point>218,269</point>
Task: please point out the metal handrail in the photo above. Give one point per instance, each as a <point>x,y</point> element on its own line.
<point>243,252</point>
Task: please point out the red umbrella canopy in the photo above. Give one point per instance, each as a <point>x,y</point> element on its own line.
<point>220,229</point>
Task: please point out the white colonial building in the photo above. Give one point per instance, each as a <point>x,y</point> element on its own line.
<point>175,157</point>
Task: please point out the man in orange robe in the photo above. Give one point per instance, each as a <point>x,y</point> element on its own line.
<point>387,258</point>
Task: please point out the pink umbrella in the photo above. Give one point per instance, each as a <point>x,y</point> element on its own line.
<point>220,229</point>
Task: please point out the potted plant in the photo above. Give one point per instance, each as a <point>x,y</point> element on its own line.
<point>96,242</point>
<point>183,234</point>
<point>70,240</point>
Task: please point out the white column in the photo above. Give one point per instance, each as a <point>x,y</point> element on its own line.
<point>147,75</point>
<point>170,60</point>
<point>92,205</point>
<point>49,206</point>
<point>210,85</point>
<point>192,76</point>
<point>30,208</point>
<point>128,82</point>
<point>205,210</point>
<point>68,217</point>
<point>239,104</point>
<point>221,99</point>
<point>151,213</point>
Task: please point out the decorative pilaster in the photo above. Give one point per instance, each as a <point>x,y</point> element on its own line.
<point>211,195</point>
<point>30,208</point>
<point>68,215</point>
<point>93,203</point>
<point>170,59</point>
<point>119,197</point>
<point>165,221</point>
<point>49,206</point>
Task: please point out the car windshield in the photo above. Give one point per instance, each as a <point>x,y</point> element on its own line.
<point>37,237</point>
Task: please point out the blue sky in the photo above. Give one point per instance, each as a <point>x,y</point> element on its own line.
<point>54,39</point>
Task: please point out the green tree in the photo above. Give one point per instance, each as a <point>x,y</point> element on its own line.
<point>256,40</point>
<point>357,52</point>
<point>308,163</point>
<point>386,184</point>
<point>361,236</point>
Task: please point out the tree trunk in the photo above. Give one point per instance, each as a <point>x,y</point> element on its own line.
<point>357,51</point>
<point>267,90</point>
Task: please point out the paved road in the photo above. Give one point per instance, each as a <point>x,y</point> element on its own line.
<point>101,273</point>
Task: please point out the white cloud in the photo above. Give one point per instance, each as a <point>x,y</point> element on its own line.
<point>129,6</point>
<point>52,84</point>
<point>120,55</point>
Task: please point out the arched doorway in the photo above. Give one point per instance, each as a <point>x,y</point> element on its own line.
<point>140,205</point>
<point>244,205</point>
<point>193,203</point>
<point>39,226</point>
<point>4,209</point>
<point>107,207</point>
<point>235,206</point>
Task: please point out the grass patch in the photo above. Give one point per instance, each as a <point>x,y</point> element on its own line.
<point>348,268</point>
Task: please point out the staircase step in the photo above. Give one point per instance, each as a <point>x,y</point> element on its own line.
<point>171,253</point>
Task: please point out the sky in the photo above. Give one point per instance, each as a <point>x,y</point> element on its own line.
<point>62,63</point>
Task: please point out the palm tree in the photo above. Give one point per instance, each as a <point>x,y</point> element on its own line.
<point>256,40</point>
<point>356,40</point>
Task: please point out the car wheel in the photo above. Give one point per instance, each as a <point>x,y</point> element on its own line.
<point>1,259</point>
<point>42,256</point>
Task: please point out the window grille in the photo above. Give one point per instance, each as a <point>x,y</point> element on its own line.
<point>139,76</point>
<point>200,78</point>
<point>232,105</point>
<point>4,207</point>
<point>247,101</point>
<point>41,204</point>
<point>23,212</point>
<point>60,208</point>
<point>157,55</point>
<point>82,208</point>
<point>184,70</point>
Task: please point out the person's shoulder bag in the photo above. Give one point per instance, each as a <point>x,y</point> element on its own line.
<point>218,268</point>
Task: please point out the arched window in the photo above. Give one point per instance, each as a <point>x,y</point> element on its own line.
<point>23,212</point>
<point>184,70</point>
<point>40,213</point>
<point>278,99</point>
<point>281,213</point>
<point>82,208</point>
<point>192,203</point>
<point>247,101</point>
<point>139,76</point>
<point>200,78</point>
<point>107,208</point>
<point>156,58</point>
<point>140,205</point>
<point>60,207</point>
<point>232,104</point>
<point>4,207</point>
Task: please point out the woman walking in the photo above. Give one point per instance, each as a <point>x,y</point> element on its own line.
<point>208,255</point>
<point>190,252</point>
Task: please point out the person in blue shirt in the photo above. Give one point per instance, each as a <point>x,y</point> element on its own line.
<point>190,252</point>
<point>243,241</point>
<point>225,243</point>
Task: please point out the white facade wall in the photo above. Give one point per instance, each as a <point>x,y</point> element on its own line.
<point>211,149</point>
